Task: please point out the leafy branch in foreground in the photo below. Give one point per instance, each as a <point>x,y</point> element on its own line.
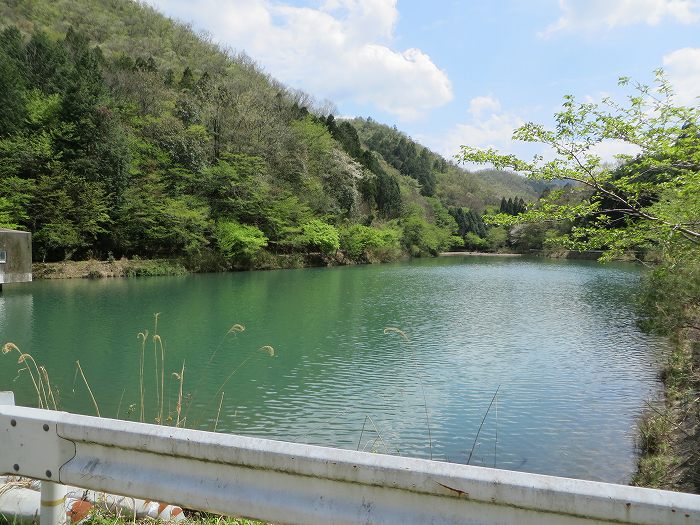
<point>647,198</point>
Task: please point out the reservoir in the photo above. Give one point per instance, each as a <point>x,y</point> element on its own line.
<point>524,364</point>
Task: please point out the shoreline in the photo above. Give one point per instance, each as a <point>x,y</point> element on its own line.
<point>668,432</point>
<point>125,268</point>
<point>98,269</point>
<point>479,254</point>
<point>94,269</point>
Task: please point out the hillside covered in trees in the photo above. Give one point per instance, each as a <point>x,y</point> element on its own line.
<point>124,133</point>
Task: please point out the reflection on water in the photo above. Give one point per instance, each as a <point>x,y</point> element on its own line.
<point>557,337</point>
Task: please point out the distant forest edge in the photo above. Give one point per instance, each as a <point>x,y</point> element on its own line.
<point>124,133</point>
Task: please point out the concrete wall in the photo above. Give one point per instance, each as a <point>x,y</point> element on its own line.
<point>17,247</point>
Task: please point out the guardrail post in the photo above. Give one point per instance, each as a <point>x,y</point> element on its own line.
<point>53,504</point>
<point>53,495</point>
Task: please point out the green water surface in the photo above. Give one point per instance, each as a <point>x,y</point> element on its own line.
<point>556,338</point>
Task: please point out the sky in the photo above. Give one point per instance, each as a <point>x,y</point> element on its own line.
<point>452,72</point>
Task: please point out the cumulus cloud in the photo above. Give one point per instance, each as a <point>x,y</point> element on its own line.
<point>487,126</point>
<point>480,105</point>
<point>608,150</point>
<point>595,15</point>
<point>339,50</point>
<point>683,71</point>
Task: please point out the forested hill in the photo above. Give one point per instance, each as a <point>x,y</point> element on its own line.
<point>453,185</point>
<point>123,133</point>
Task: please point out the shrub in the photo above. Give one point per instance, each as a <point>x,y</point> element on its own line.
<point>321,236</point>
<point>421,237</point>
<point>473,242</point>
<point>497,237</point>
<point>239,242</point>
<point>367,244</point>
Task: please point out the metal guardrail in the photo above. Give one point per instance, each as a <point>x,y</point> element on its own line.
<point>303,484</point>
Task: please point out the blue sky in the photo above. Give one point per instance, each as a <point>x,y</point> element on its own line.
<point>450,72</point>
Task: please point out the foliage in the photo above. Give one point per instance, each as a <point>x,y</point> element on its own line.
<point>512,206</point>
<point>468,222</point>
<point>647,202</point>
<point>124,132</point>
<point>154,268</point>
<point>421,237</point>
<point>534,236</point>
<point>239,242</point>
<point>671,296</point>
<point>321,236</point>
<point>473,242</point>
<point>648,199</point>
<point>454,186</point>
<point>497,238</point>
<point>367,244</point>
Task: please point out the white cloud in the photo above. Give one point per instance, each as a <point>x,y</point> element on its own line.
<point>595,15</point>
<point>682,69</point>
<point>488,126</point>
<point>609,149</point>
<point>340,50</point>
<point>479,105</point>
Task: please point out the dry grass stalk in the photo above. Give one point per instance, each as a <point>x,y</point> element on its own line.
<point>45,374</point>
<point>19,483</point>
<point>482,424</point>
<point>181,379</point>
<point>235,329</point>
<point>160,390</point>
<point>218,412</point>
<point>143,336</point>
<point>94,402</point>
<point>38,376</point>
<point>267,349</point>
<point>160,393</point>
<point>393,330</point>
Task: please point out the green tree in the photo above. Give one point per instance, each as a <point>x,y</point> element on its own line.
<point>12,81</point>
<point>151,222</point>
<point>496,238</point>
<point>368,244</point>
<point>473,242</point>
<point>321,236</point>
<point>421,237</point>
<point>239,242</point>
<point>649,199</point>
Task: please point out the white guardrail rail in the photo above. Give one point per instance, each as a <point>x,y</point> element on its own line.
<point>302,484</point>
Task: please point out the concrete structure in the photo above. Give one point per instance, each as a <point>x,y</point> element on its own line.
<point>15,256</point>
<point>302,484</point>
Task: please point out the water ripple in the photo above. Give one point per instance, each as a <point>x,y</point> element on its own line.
<point>557,338</point>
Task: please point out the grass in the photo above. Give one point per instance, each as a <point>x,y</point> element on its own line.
<point>100,517</point>
<point>655,445</point>
<point>153,389</point>
<point>668,431</point>
<point>38,375</point>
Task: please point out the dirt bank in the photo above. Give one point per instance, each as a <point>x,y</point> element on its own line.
<point>97,269</point>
